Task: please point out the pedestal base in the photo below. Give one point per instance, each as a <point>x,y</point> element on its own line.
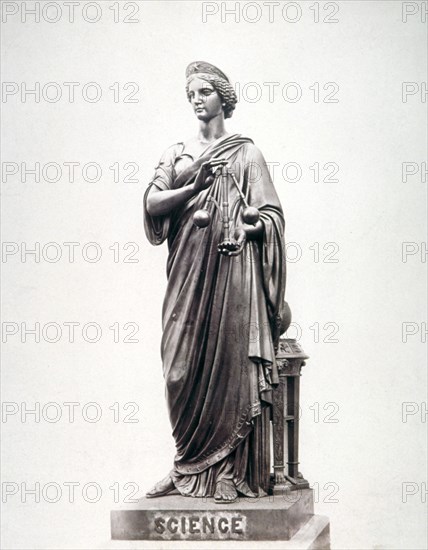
<point>289,517</point>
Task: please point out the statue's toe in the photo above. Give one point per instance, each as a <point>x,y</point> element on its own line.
<point>225,492</point>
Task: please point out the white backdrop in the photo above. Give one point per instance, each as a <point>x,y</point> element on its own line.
<point>348,284</point>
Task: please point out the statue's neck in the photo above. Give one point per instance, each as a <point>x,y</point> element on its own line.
<point>211,130</point>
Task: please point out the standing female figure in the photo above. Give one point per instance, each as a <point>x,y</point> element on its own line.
<point>222,311</point>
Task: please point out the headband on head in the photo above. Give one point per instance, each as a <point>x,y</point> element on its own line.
<point>198,67</point>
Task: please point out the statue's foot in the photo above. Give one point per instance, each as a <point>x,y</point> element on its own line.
<point>225,492</point>
<point>161,488</point>
<point>245,490</point>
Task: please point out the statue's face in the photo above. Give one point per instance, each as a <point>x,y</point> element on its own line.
<point>204,99</point>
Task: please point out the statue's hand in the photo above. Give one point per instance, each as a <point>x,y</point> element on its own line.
<point>205,176</point>
<point>241,239</point>
<point>254,231</point>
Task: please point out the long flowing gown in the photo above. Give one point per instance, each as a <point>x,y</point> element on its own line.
<point>221,321</point>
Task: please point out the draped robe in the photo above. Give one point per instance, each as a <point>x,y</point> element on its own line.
<point>221,317</point>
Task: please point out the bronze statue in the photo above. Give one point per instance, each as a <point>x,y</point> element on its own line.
<point>213,199</point>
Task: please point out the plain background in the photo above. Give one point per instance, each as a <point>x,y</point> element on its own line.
<point>355,448</point>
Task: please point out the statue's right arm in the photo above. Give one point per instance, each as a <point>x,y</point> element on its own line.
<point>160,199</point>
<point>162,202</point>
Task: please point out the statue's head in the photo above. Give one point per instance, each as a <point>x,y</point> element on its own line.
<point>207,83</point>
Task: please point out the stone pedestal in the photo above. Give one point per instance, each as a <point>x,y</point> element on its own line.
<point>288,517</point>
